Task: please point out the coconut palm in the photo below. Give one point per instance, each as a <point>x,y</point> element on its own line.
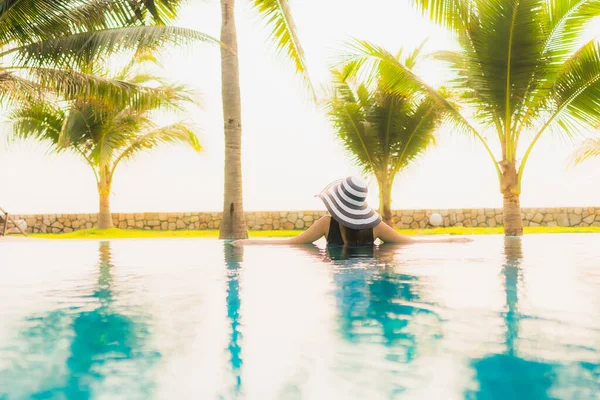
<point>102,134</point>
<point>43,44</point>
<point>383,130</point>
<point>278,16</point>
<point>525,71</point>
<point>588,149</point>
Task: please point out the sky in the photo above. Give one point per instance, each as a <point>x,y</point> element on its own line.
<point>289,147</point>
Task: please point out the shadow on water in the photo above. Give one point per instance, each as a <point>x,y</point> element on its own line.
<point>506,375</point>
<point>102,343</point>
<point>234,256</point>
<point>379,304</point>
<point>377,301</point>
<point>510,375</point>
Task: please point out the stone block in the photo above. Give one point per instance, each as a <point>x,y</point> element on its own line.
<point>406,219</point>
<point>537,218</point>
<point>414,225</point>
<point>139,216</point>
<point>299,224</point>
<point>164,225</point>
<point>153,222</point>
<point>562,220</point>
<point>574,219</point>
<point>122,225</point>
<point>67,230</point>
<point>139,224</point>
<point>163,217</point>
<point>589,219</point>
<point>491,222</point>
<point>578,210</point>
<point>292,217</point>
<point>288,225</point>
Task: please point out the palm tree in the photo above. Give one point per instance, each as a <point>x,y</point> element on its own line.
<point>278,16</point>
<point>44,43</point>
<point>588,149</point>
<point>104,135</point>
<point>523,68</point>
<point>383,130</point>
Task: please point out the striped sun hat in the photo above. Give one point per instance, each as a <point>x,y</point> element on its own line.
<point>345,201</point>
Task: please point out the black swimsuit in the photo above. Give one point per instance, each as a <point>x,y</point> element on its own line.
<point>334,237</point>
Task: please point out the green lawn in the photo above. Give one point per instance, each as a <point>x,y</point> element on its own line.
<point>130,234</point>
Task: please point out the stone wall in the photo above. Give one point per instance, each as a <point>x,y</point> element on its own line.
<point>477,217</point>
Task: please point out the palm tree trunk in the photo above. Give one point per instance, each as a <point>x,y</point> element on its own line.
<point>233,225</point>
<point>513,223</point>
<point>385,202</point>
<point>104,215</point>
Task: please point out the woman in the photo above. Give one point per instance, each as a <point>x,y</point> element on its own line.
<point>352,222</point>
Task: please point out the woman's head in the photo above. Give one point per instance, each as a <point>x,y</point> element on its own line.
<point>345,199</point>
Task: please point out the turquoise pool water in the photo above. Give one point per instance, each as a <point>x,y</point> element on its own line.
<point>197,319</point>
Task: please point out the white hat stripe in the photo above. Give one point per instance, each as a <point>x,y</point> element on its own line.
<point>350,190</point>
<point>359,182</point>
<point>348,199</point>
<point>356,211</point>
<point>348,220</point>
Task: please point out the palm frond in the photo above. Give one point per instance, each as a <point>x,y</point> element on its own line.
<point>577,89</point>
<point>283,33</point>
<point>179,132</point>
<point>82,48</point>
<point>71,85</point>
<point>588,149</point>
<point>452,14</point>
<point>40,121</point>
<point>384,126</point>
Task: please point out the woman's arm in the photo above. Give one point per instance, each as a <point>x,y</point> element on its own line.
<point>386,233</point>
<point>313,233</point>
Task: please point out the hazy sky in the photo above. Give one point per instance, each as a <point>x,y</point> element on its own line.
<point>289,148</point>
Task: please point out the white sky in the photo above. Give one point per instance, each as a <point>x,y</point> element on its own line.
<point>289,148</point>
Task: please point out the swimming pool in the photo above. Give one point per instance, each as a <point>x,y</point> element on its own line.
<point>196,319</point>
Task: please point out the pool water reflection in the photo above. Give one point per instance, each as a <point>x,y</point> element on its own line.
<point>176,319</point>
